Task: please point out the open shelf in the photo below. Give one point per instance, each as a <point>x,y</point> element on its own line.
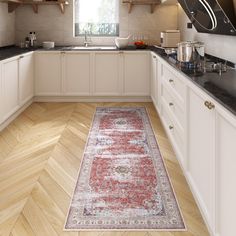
<point>151,3</point>
<point>13,4</point>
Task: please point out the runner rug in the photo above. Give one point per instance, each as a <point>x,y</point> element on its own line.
<point>123,183</point>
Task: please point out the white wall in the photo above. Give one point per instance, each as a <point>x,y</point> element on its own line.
<point>7,26</point>
<point>50,24</point>
<point>222,46</point>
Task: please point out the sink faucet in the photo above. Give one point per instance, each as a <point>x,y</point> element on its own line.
<point>87,39</point>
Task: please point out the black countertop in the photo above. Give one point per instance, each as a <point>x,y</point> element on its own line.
<point>221,88</point>
<point>11,51</point>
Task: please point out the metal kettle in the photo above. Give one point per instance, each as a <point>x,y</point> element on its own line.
<point>190,51</point>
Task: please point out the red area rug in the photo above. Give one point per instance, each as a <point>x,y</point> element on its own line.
<point>123,183</point>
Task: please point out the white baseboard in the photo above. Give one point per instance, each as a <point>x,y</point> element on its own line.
<point>91,99</point>
<point>15,114</point>
<point>72,99</point>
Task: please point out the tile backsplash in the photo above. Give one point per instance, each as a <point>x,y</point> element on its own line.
<point>7,26</point>
<point>222,46</point>
<point>50,24</point>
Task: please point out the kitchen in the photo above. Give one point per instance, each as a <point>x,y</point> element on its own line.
<point>50,96</point>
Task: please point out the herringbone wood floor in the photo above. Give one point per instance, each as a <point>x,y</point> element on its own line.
<point>40,153</point>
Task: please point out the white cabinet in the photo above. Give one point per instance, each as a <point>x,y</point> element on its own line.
<point>110,73</point>
<point>136,73</point>
<point>77,73</point>
<point>10,92</point>
<point>154,82</point>
<point>1,95</point>
<point>225,173</point>
<point>107,74</point>
<point>201,138</point>
<point>48,76</point>
<point>26,78</point>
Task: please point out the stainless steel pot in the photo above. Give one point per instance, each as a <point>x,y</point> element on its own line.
<point>190,51</point>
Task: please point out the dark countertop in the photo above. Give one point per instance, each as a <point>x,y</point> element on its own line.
<point>11,51</point>
<point>221,88</point>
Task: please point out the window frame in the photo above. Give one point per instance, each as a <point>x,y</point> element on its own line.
<point>75,29</point>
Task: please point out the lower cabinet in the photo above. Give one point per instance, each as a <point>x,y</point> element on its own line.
<point>107,74</point>
<point>136,73</point>
<point>26,78</point>
<point>77,73</point>
<point>113,73</point>
<point>201,144</point>
<point>48,74</point>
<point>10,84</point>
<point>154,77</point>
<point>225,173</point>
<point>16,84</point>
<point>209,161</point>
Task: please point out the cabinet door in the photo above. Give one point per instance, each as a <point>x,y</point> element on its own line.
<point>154,88</point>
<point>201,139</point>
<point>226,174</point>
<point>48,73</point>
<point>10,87</point>
<point>1,95</point>
<point>26,78</point>
<point>136,74</point>
<point>107,74</point>
<point>77,74</point>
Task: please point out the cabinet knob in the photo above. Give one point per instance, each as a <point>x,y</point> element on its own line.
<point>154,57</point>
<point>63,52</point>
<point>171,104</point>
<point>21,57</point>
<point>171,127</point>
<point>209,105</point>
<point>171,80</point>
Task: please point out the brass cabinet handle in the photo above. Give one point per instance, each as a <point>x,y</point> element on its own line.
<point>171,127</point>
<point>209,105</point>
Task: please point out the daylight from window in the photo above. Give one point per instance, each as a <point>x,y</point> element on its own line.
<point>97,17</point>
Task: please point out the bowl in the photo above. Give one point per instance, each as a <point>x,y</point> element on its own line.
<point>122,42</point>
<point>48,45</point>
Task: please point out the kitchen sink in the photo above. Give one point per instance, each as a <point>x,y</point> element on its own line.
<point>91,48</point>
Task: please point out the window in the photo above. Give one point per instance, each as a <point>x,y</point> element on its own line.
<point>97,17</point>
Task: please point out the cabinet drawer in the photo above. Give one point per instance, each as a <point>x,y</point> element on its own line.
<point>174,82</point>
<point>173,130</point>
<point>175,107</point>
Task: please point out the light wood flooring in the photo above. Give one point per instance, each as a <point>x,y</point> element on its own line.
<point>40,153</point>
